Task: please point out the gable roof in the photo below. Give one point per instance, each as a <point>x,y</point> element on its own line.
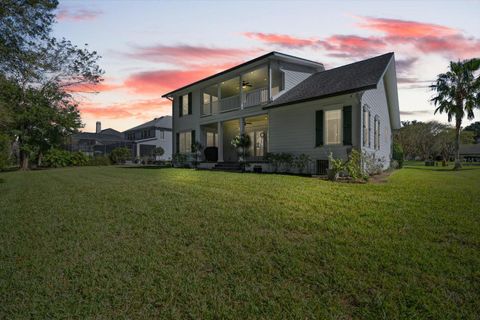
<point>270,54</point>
<point>354,77</point>
<point>161,122</point>
<point>101,137</point>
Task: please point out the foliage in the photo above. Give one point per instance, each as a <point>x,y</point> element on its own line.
<point>286,161</point>
<point>301,162</point>
<point>375,249</point>
<point>179,159</point>
<point>371,164</point>
<point>274,160</point>
<point>78,159</point>
<point>457,93</point>
<point>398,154</point>
<point>354,165</point>
<point>120,155</point>
<point>99,160</point>
<point>37,74</point>
<point>335,167</point>
<point>241,143</point>
<point>196,151</point>
<point>4,150</point>
<point>158,151</point>
<point>474,127</point>
<point>418,138</point>
<point>57,158</point>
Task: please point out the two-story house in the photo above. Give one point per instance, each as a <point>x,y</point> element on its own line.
<point>289,104</point>
<point>150,135</point>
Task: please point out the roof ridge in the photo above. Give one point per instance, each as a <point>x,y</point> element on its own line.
<point>357,62</point>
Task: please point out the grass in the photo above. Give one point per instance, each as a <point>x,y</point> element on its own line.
<point>108,242</point>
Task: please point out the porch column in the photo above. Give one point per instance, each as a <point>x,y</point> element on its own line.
<point>220,141</point>
<point>242,125</point>
<point>138,150</point>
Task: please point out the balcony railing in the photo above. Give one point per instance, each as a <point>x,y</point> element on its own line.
<point>210,108</point>
<point>230,103</point>
<point>255,97</point>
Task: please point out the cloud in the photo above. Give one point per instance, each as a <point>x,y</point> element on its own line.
<point>416,113</point>
<point>424,37</point>
<point>140,109</point>
<point>281,39</point>
<point>93,88</point>
<point>161,81</point>
<point>345,46</point>
<point>405,65</point>
<point>188,55</point>
<point>70,14</point>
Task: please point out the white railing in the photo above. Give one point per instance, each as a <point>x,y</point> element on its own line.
<point>255,97</point>
<point>230,103</point>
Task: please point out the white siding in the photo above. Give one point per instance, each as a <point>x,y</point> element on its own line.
<point>294,74</point>
<point>376,101</point>
<point>292,128</point>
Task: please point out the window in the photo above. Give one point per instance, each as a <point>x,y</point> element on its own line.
<point>366,127</point>
<point>185,142</point>
<point>162,134</point>
<point>185,104</point>
<point>212,139</point>
<point>333,122</point>
<point>376,133</point>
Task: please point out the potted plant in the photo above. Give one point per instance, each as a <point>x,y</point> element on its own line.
<point>242,143</point>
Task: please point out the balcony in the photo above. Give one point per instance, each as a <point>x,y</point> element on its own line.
<point>255,97</point>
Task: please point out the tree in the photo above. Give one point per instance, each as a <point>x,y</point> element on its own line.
<point>37,71</point>
<point>196,150</point>
<point>458,94</point>
<point>242,143</point>
<point>474,128</point>
<point>120,155</point>
<point>417,139</point>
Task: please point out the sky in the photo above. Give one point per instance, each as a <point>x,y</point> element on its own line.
<point>149,48</point>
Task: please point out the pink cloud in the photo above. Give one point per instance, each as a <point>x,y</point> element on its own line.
<point>283,40</point>
<point>188,55</point>
<point>65,14</point>
<point>140,109</point>
<point>405,28</point>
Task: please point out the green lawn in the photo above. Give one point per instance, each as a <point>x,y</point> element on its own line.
<point>107,242</point>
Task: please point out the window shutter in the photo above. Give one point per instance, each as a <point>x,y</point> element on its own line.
<point>180,105</point>
<point>318,128</point>
<point>193,139</point>
<point>177,142</point>
<point>189,103</point>
<point>347,125</point>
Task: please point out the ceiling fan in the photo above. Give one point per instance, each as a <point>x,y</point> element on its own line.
<point>246,84</point>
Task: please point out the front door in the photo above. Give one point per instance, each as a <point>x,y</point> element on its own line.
<point>258,140</point>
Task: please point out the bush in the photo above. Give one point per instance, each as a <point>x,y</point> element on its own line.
<point>4,151</point>
<point>336,166</point>
<point>274,160</point>
<point>158,151</point>
<point>398,154</point>
<point>120,155</point>
<point>301,162</point>
<point>286,161</point>
<point>354,165</point>
<point>56,158</point>
<point>211,154</point>
<point>78,159</point>
<point>179,160</point>
<point>99,161</point>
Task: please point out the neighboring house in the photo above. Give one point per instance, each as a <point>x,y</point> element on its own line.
<point>99,142</point>
<point>470,152</point>
<point>150,135</point>
<point>289,104</point>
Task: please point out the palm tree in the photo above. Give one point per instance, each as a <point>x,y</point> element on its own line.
<point>457,94</point>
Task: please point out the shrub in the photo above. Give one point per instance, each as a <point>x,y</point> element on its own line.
<point>336,166</point>
<point>4,151</point>
<point>120,155</point>
<point>272,158</point>
<point>354,165</point>
<point>78,159</point>
<point>398,154</point>
<point>371,164</point>
<point>179,160</point>
<point>99,161</point>
<point>241,143</point>
<point>286,161</point>
<point>301,162</point>
<point>56,158</point>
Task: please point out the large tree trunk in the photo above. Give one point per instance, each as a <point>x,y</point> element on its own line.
<point>458,127</point>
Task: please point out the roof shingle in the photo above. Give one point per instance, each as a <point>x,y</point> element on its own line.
<point>358,76</point>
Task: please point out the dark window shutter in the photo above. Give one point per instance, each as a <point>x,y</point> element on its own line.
<point>180,105</point>
<point>347,125</point>
<point>189,103</point>
<point>193,138</point>
<point>318,128</point>
<point>177,142</point>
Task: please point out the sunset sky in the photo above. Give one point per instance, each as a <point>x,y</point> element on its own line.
<point>149,48</point>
